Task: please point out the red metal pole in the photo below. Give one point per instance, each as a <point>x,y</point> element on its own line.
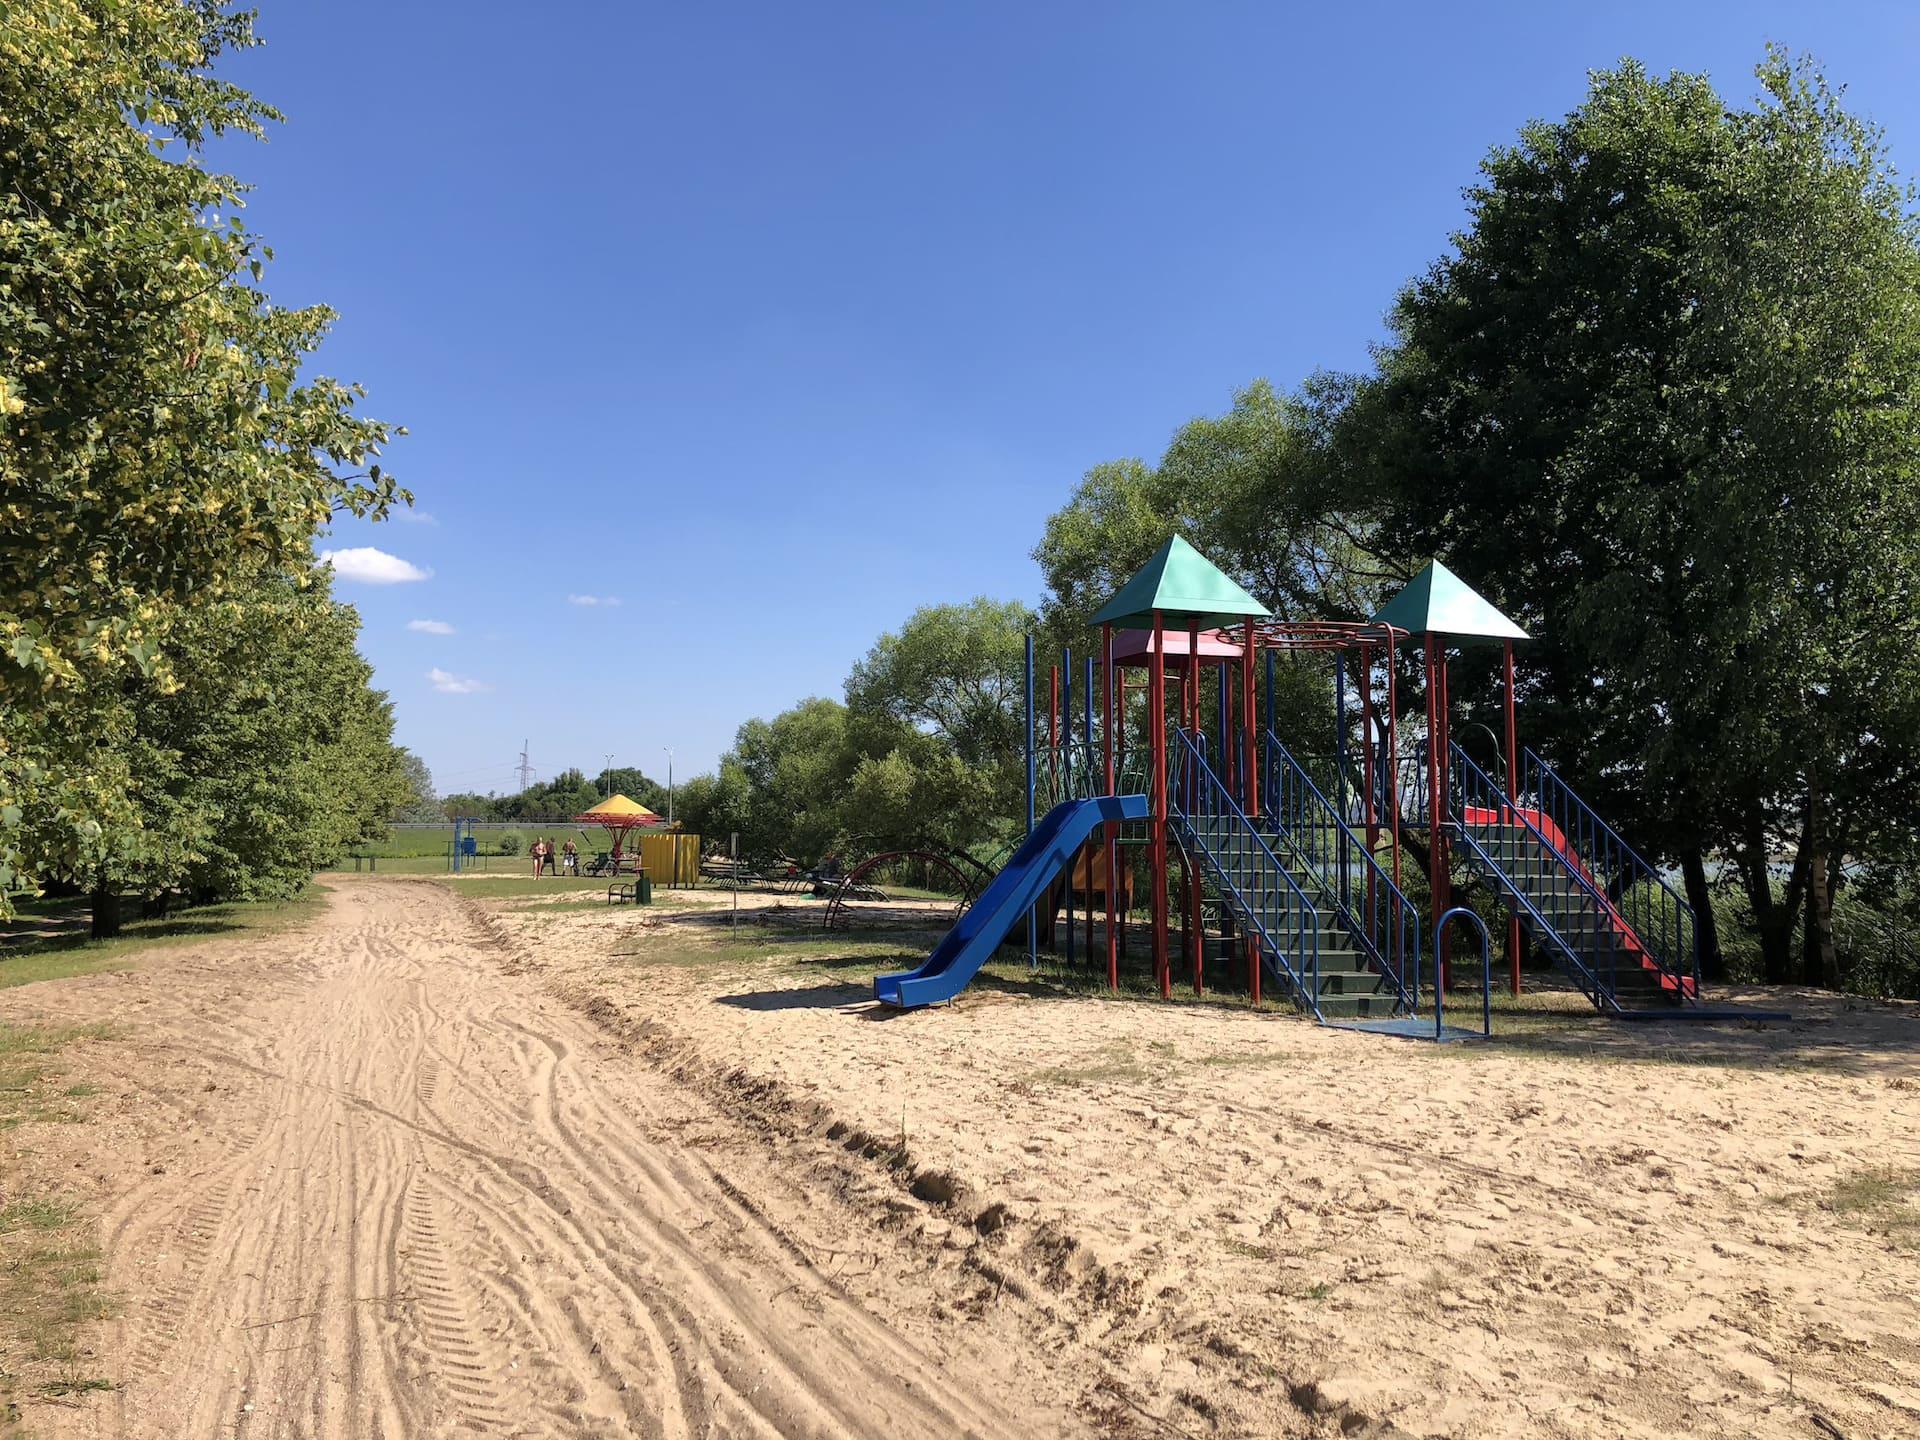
<point>1157,737</point>
<point>1393,753</point>
<point>1106,742</point>
<point>1249,747</point>
<point>1366,780</point>
<point>1120,750</point>
<point>1196,941</point>
<point>1513,794</point>
<point>1436,807</point>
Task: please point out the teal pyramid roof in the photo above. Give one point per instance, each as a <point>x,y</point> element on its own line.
<point>1439,601</point>
<point>1185,587</point>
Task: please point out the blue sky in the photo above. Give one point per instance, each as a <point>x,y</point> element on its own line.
<point>774,322</point>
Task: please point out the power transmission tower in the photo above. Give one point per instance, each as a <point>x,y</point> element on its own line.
<point>525,768</point>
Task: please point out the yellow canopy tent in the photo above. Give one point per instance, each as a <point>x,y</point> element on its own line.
<point>617,815</point>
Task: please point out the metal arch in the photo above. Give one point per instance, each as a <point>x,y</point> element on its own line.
<point>850,882</point>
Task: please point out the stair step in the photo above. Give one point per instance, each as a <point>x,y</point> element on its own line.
<point>1354,1007</point>
<point>1364,982</point>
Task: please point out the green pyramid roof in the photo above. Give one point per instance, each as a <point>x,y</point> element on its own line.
<point>1185,587</point>
<point>1439,601</point>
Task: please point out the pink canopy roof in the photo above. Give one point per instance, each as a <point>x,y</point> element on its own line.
<point>1135,647</point>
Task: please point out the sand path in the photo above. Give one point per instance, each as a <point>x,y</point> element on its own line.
<point>417,1196</point>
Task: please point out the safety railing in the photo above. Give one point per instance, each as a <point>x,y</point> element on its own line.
<point>1551,914</point>
<point>1078,771</point>
<point>1249,874</point>
<point>1466,913</point>
<point>1661,919</point>
<point>1369,904</point>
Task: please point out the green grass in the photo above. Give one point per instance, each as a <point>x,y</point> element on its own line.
<point>25,961</point>
<point>510,887</point>
<point>1112,1063</point>
<point>432,844</point>
<point>1882,1199</point>
<point>35,1215</point>
<point>50,1278</point>
<point>536,905</point>
<point>28,1088</point>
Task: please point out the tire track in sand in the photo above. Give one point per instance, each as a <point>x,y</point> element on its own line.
<point>440,1212</point>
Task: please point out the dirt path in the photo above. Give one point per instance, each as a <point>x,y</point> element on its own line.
<point>387,1187</point>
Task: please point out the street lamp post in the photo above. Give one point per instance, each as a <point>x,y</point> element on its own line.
<point>669,750</point>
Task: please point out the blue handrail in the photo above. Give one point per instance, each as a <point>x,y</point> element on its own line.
<point>1312,829</point>
<point>1668,932</point>
<point>1194,790</point>
<point>1544,928</point>
<point>1463,912</point>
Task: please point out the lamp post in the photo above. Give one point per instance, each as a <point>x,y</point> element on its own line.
<point>606,776</point>
<point>669,750</point>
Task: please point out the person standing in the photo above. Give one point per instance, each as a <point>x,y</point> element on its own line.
<point>539,853</point>
<point>570,865</point>
<point>553,859</point>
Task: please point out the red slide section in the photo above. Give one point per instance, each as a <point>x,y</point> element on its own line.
<point>1482,815</point>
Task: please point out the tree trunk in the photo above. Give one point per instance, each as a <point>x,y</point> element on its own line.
<point>106,912</point>
<point>1693,871</point>
<point>1819,964</point>
<point>1772,918</point>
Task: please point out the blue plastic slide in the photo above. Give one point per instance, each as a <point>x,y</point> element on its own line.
<point>1013,894</point>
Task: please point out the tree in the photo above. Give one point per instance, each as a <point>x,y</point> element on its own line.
<point>265,759</point>
<point>1257,490</point>
<point>162,447</point>
<point>1660,404</point>
<point>954,670</point>
<point>635,784</point>
<point>793,771</point>
<point>567,794</point>
<point>419,804</point>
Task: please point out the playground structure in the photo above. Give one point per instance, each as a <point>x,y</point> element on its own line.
<point>1300,864</point>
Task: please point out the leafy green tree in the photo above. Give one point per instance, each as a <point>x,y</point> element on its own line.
<point>636,785</point>
<point>163,445</point>
<point>420,803</point>
<point>954,670</point>
<point>795,769</point>
<point>1660,405</point>
<point>266,757</point>
<point>1257,490</point>
<point>567,794</point>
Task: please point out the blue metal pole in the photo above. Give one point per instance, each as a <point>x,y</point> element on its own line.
<point>1094,787</point>
<point>1033,916</point>
<point>1066,720</point>
<point>1066,751</point>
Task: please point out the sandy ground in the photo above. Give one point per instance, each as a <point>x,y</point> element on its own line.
<point>1261,1227</point>
<point>374,1179</point>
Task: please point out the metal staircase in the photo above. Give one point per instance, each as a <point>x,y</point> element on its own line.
<point>1326,958</point>
<point>1606,917</point>
<point>1340,870</point>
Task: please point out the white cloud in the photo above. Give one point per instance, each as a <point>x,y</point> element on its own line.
<point>372,567</point>
<point>593,599</point>
<point>406,514</point>
<point>430,627</point>
<point>448,683</point>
